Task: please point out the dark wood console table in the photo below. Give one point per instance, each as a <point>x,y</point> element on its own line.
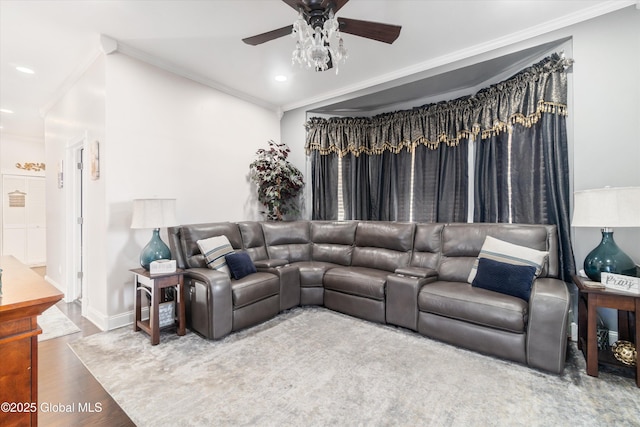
<point>628,306</point>
<point>25,296</point>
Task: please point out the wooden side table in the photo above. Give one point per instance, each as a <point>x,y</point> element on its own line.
<point>628,306</point>
<point>155,284</point>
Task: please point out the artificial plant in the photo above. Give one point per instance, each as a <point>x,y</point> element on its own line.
<point>279,182</point>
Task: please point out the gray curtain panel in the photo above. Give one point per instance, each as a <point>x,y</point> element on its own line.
<point>491,197</point>
<point>521,159</point>
<point>535,189</point>
<point>441,183</point>
<point>324,179</point>
<point>522,99</point>
<point>355,187</point>
<point>390,184</point>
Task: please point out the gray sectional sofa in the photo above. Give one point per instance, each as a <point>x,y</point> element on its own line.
<point>411,275</point>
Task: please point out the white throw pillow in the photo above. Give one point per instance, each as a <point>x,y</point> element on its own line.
<point>214,249</point>
<point>501,251</point>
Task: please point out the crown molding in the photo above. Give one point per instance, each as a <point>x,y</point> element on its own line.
<point>482,48</point>
<point>107,45</point>
<point>71,80</point>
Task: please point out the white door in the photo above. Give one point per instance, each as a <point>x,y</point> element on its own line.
<point>23,219</point>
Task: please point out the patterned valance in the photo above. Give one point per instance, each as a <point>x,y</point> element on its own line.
<point>541,88</point>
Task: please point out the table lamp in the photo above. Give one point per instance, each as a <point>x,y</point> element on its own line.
<point>154,213</point>
<point>607,208</point>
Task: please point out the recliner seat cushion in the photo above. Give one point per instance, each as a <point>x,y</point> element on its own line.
<point>312,272</point>
<point>253,288</point>
<point>461,301</point>
<point>359,281</point>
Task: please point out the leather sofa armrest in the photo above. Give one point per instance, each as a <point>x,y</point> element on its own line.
<point>289,277</point>
<point>402,292</point>
<point>209,302</point>
<point>416,271</point>
<point>270,263</point>
<point>547,328</point>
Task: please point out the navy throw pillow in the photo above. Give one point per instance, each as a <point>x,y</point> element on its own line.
<point>509,279</point>
<point>240,264</point>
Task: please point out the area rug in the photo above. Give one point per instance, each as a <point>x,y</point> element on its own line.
<point>312,366</point>
<point>55,324</point>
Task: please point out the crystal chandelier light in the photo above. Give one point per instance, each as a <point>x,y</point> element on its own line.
<point>319,44</point>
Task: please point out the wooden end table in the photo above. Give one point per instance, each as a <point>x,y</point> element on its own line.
<point>628,306</point>
<point>154,284</point>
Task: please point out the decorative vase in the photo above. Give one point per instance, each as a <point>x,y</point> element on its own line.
<point>608,257</point>
<point>155,249</point>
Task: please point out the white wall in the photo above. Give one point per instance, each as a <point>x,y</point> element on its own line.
<point>78,116</point>
<point>160,136</point>
<point>171,137</point>
<point>606,109</point>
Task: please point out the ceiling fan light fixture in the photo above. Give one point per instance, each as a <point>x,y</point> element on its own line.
<point>318,46</point>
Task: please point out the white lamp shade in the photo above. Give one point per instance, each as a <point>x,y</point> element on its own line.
<point>607,207</point>
<point>154,213</point>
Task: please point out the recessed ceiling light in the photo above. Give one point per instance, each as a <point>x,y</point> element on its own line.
<point>25,70</point>
<point>281,78</point>
<point>4,110</point>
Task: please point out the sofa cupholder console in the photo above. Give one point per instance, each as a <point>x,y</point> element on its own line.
<point>419,276</point>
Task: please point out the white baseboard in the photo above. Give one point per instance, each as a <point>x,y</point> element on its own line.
<point>97,318</point>
<point>126,319</point>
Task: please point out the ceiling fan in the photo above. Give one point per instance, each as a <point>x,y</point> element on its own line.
<point>317,26</point>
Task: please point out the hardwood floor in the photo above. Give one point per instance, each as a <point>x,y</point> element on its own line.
<point>72,395</point>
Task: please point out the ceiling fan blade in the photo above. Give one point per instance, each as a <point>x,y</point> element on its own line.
<point>297,4</point>
<point>338,4</point>
<point>385,33</point>
<point>268,36</point>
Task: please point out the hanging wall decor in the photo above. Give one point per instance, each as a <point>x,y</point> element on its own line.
<point>36,167</point>
<point>61,174</point>
<point>94,150</point>
<point>17,199</point>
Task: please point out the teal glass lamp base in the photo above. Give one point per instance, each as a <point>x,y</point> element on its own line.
<point>156,249</point>
<point>607,257</point>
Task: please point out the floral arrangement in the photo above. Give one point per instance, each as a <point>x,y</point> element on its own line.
<point>279,182</point>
